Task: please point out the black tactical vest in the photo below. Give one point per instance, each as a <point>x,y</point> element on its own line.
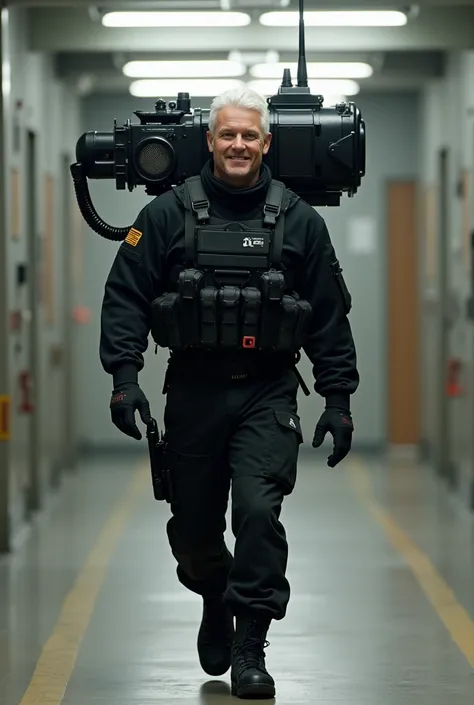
<point>231,291</point>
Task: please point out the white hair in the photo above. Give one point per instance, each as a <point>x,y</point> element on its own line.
<point>242,98</point>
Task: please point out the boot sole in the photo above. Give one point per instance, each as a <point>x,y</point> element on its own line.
<point>253,691</point>
<point>219,670</point>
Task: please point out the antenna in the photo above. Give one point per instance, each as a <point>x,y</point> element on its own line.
<point>302,79</point>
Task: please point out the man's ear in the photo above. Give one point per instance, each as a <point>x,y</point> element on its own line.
<point>267,142</point>
<point>209,141</point>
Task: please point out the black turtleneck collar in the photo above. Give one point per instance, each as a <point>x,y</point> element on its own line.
<point>227,199</point>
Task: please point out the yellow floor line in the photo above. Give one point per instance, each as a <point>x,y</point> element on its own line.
<point>58,657</point>
<point>453,615</point>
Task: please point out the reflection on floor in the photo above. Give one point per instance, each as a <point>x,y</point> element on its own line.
<point>382,607</point>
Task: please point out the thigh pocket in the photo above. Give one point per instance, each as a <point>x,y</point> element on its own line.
<point>282,456</point>
<point>189,476</point>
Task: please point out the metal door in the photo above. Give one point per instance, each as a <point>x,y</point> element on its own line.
<point>67,405</point>
<point>29,401</point>
<point>4,386</point>
<point>442,436</point>
<point>468,456</point>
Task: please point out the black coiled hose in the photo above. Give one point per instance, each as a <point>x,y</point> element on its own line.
<point>88,211</point>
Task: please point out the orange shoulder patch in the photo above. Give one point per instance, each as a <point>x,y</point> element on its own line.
<point>133,237</point>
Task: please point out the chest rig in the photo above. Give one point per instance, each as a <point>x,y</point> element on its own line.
<point>231,291</point>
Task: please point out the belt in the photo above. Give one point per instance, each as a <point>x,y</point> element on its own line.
<point>220,370</point>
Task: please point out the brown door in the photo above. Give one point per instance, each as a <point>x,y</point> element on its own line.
<point>403,318</point>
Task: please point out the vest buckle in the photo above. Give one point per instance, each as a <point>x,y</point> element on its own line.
<point>201,208</point>
<point>271,213</point>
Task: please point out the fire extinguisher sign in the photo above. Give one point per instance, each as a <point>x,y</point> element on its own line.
<point>4,418</point>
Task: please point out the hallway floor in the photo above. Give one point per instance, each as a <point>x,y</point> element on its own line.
<point>382,608</point>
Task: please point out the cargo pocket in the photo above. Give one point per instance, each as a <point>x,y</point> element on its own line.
<point>282,456</point>
<point>190,477</point>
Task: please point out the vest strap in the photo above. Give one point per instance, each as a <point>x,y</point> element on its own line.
<point>274,216</point>
<point>198,205</point>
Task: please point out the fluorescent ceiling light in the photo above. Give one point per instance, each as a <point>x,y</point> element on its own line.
<point>341,18</point>
<point>183,69</point>
<point>338,69</point>
<point>330,87</point>
<point>254,57</point>
<point>166,88</point>
<point>176,19</point>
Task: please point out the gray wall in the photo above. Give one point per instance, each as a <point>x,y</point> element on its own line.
<point>446,280</point>
<point>40,104</point>
<point>393,130</point>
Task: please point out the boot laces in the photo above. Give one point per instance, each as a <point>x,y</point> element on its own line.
<point>251,650</point>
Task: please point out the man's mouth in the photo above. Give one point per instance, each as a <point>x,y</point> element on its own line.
<point>239,159</point>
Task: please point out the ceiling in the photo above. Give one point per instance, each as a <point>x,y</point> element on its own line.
<point>90,56</point>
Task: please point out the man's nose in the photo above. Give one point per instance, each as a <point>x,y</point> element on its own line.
<point>238,142</point>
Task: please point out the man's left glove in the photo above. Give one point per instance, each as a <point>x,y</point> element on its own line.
<point>126,398</point>
<point>338,422</point>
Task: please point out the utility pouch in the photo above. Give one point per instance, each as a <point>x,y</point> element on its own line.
<point>229,316</point>
<point>251,303</point>
<point>160,472</point>
<point>209,323</point>
<point>189,286</point>
<point>272,286</point>
<point>165,320</point>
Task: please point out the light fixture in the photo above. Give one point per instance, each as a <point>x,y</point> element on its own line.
<point>183,69</point>
<point>166,88</point>
<point>176,19</point>
<point>270,86</point>
<point>337,18</point>
<point>338,69</point>
<point>248,58</point>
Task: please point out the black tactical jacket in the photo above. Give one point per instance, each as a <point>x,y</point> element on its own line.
<point>141,269</point>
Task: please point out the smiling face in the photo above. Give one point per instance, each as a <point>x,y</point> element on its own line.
<point>238,145</point>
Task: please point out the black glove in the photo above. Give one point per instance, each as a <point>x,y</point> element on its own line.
<point>338,422</point>
<point>126,398</point>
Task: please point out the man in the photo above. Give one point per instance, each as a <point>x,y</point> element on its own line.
<point>231,409</point>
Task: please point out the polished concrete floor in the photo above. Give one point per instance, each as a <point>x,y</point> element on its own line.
<point>382,607</point>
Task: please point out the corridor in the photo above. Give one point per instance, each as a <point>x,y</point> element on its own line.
<point>382,573</point>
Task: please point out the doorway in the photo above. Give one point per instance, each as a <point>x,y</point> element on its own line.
<point>442,435</point>
<point>67,403</point>
<point>403,316</point>
<point>32,341</point>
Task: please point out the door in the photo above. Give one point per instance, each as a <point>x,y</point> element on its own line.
<point>403,316</point>
<point>30,384</point>
<point>467,458</point>
<point>67,405</point>
<point>4,386</point>
<point>445,312</point>
<point>434,415</point>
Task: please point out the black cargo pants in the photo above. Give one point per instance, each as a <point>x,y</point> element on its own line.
<point>241,434</point>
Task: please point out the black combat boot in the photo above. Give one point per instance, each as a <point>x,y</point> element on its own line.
<point>250,678</point>
<point>215,636</point>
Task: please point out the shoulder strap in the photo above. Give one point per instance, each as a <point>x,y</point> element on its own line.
<point>274,210</point>
<point>197,207</point>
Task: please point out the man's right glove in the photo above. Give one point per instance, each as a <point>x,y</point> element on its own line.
<point>126,399</point>
<point>337,422</point>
